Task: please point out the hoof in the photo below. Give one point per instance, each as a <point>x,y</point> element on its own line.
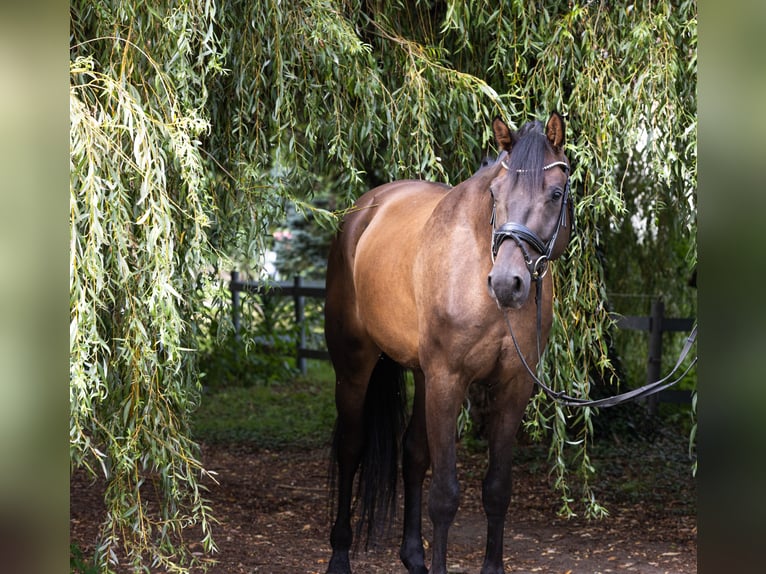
<point>339,564</point>
<point>413,558</point>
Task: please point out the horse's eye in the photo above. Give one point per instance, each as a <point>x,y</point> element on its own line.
<point>556,195</point>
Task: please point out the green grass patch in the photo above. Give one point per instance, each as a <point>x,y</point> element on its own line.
<point>299,413</point>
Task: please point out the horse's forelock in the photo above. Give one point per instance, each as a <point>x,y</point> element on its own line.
<point>528,155</point>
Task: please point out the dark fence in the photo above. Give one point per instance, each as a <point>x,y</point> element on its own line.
<point>296,289</point>
<point>656,324</point>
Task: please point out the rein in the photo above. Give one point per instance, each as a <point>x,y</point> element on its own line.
<point>646,390</point>
<point>522,234</point>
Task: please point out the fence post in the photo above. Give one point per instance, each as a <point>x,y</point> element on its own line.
<point>654,362</point>
<point>299,322</point>
<point>235,303</point>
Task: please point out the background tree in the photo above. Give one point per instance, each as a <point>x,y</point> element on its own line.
<point>194,124</point>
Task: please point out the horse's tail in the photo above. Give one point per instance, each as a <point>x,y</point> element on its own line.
<point>384,422</point>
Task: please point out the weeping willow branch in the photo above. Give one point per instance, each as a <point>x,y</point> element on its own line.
<point>322,97</point>
<point>136,225</point>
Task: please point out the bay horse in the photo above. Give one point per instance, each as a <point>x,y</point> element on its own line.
<point>421,277</point>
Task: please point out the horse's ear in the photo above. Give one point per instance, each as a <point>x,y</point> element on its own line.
<point>555,130</point>
<point>504,137</point>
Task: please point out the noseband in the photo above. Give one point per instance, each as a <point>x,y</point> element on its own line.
<point>521,234</point>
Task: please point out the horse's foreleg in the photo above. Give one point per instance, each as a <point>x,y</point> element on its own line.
<point>442,407</point>
<point>414,466</point>
<point>496,497</point>
<point>496,488</point>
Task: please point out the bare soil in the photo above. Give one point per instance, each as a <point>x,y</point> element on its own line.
<point>273,513</point>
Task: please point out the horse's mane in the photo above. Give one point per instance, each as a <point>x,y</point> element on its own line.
<point>487,172</point>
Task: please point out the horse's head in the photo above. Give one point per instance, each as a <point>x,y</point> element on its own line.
<point>532,207</point>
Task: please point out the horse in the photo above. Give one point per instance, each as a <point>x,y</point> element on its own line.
<point>421,277</point>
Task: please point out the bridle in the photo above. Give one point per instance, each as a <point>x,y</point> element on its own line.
<point>521,234</point>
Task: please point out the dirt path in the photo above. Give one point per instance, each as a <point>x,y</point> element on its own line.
<point>273,514</point>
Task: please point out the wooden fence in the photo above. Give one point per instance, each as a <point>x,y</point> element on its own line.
<point>656,324</point>
<point>296,289</point>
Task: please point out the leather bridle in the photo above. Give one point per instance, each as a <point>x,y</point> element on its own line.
<point>521,234</point>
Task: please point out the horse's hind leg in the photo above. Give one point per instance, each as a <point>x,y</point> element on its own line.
<point>415,461</point>
<point>352,375</point>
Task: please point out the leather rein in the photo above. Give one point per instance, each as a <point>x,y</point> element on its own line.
<point>522,234</point>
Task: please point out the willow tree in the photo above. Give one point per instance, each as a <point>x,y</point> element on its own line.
<point>194,124</point>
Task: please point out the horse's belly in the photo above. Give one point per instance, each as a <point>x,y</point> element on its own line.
<point>386,303</point>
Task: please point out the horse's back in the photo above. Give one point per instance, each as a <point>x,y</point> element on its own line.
<point>369,275</point>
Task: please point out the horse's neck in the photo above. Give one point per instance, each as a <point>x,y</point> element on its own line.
<point>470,204</point>
<point>454,255</point>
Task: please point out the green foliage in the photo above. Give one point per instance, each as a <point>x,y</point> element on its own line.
<point>263,352</point>
<point>136,224</point>
<point>230,362</point>
<point>194,125</point>
<point>301,246</point>
<point>78,563</point>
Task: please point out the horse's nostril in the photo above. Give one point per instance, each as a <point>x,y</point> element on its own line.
<point>508,289</point>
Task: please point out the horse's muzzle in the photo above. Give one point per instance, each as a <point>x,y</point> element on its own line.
<point>509,289</point>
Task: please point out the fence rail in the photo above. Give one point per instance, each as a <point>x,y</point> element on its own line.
<point>656,324</point>
<point>296,289</point>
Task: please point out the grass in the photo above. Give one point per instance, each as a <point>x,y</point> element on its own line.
<point>299,413</point>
